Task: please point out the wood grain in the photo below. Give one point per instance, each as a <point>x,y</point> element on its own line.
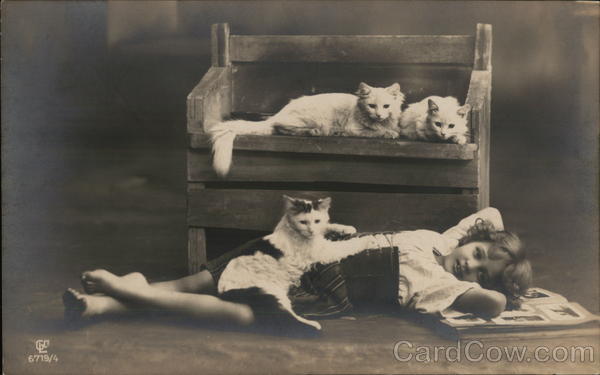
<point>261,209</point>
<point>480,118</point>
<point>219,38</point>
<point>483,47</point>
<point>479,97</point>
<point>479,88</point>
<point>269,87</point>
<point>196,249</point>
<point>428,49</point>
<point>295,167</point>
<point>345,146</point>
<point>210,101</point>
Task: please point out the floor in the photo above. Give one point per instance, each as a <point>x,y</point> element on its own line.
<point>71,208</point>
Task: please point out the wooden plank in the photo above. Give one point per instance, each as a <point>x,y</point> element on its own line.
<point>481,122</point>
<point>416,81</point>
<point>479,98</point>
<point>210,101</point>
<point>478,94</point>
<point>346,146</point>
<point>483,47</point>
<point>269,87</point>
<point>272,166</point>
<point>428,49</point>
<point>220,44</point>
<point>261,209</point>
<point>196,249</point>
<point>479,88</point>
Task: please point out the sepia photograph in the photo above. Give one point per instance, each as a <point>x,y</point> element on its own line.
<point>300,187</point>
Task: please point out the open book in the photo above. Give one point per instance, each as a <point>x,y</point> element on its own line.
<point>542,311</point>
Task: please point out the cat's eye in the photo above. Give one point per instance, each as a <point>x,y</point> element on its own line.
<point>317,221</point>
<point>373,106</point>
<point>438,124</point>
<point>451,126</point>
<point>386,106</point>
<point>303,222</point>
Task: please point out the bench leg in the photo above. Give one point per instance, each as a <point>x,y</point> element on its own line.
<point>196,249</point>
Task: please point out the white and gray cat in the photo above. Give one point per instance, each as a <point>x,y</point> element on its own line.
<point>437,119</point>
<point>297,243</point>
<point>372,112</point>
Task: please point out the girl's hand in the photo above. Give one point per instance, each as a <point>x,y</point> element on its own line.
<point>481,302</point>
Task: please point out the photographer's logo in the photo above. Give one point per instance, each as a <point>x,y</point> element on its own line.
<point>41,346</point>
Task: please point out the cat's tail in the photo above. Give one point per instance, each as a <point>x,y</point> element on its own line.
<point>223,134</point>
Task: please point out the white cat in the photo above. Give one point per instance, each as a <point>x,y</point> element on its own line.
<point>372,112</point>
<point>278,261</point>
<point>436,119</point>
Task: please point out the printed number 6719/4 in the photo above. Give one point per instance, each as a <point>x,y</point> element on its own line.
<point>42,358</point>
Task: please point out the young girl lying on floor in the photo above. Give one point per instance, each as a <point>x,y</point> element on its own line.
<point>474,267</point>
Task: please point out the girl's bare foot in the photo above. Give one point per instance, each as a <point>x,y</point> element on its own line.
<point>102,281</point>
<point>75,305</point>
<point>80,306</point>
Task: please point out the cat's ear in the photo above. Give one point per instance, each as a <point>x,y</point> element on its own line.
<point>462,111</point>
<point>394,89</point>
<point>288,202</point>
<point>363,90</point>
<point>432,107</point>
<point>323,204</point>
<point>295,205</point>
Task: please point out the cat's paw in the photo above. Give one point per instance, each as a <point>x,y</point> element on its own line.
<point>391,134</point>
<point>347,229</point>
<point>337,235</point>
<point>461,140</point>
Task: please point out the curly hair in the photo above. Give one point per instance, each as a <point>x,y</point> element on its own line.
<point>516,277</point>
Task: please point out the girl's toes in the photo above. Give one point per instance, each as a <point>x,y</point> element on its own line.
<point>74,304</point>
<point>97,281</point>
<point>89,287</point>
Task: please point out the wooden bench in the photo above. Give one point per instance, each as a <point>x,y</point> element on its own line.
<point>376,184</point>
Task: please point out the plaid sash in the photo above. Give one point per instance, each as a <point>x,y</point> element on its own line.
<point>328,290</point>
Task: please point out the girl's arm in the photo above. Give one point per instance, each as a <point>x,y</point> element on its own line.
<point>460,230</point>
<point>481,302</point>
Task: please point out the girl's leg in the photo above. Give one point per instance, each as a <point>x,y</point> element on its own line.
<point>134,290</point>
<point>201,282</point>
<point>79,305</point>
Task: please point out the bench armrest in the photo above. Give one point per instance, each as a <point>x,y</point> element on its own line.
<point>479,87</point>
<point>210,101</point>
<point>479,97</point>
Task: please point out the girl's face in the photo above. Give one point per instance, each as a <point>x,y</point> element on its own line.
<point>479,262</point>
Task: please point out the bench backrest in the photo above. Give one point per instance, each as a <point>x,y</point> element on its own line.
<point>269,70</point>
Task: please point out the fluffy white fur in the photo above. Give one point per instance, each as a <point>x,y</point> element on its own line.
<point>372,112</point>
<point>300,237</point>
<point>435,118</point>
